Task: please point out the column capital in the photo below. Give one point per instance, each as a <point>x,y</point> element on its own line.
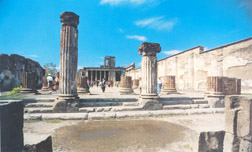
<point>69,18</point>
<point>149,49</point>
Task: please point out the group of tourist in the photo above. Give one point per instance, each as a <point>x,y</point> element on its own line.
<point>53,83</point>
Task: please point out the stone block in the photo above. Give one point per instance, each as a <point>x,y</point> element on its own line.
<point>211,141</point>
<point>43,146</point>
<point>11,126</point>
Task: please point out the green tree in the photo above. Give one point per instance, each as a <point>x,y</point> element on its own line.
<point>50,68</point>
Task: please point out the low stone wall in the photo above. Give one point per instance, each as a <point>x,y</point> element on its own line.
<point>11,126</point>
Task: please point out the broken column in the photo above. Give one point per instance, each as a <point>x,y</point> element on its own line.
<point>135,83</point>
<point>67,100</point>
<point>149,98</point>
<point>82,86</point>
<point>44,84</point>
<point>238,124</point>
<point>168,85</point>
<point>29,82</point>
<point>125,85</point>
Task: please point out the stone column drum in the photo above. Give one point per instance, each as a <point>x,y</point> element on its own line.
<point>82,86</point>
<point>214,85</point>
<point>29,82</point>
<point>67,100</point>
<point>168,85</point>
<point>126,85</point>
<point>135,84</point>
<point>149,97</point>
<point>45,84</point>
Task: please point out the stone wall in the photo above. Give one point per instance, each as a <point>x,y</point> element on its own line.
<point>12,66</point>
<point>11,126</point>
<point>192,67</point>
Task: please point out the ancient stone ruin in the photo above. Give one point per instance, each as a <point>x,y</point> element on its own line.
<point>126,85</point>
<point>67,100</point>
<point>29,81</point>
<point>82,86</point>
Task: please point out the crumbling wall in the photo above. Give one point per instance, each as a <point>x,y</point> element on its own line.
<point>193,66</point>
<point>12,67</point>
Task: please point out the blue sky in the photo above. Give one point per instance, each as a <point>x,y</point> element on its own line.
<point>31,28</point>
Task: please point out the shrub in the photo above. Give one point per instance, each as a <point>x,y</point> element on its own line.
<point>15,90</point>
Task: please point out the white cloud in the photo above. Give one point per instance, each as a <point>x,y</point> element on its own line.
<point>139,64</point>
<point>118,2</point>
<point>33,56</point>
<point>80,67</point>
<point>137,37</point>
<point>157,23</point>
<point>172,52</point>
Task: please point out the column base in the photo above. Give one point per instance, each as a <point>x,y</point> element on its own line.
<point>83,91</point>
<point>27,90</point>
<point>150,102</point>
<point>168,91</point>
<point>215,101</point>
<point>44,89</point>
<point>66,103</point>
<point>126,91</point>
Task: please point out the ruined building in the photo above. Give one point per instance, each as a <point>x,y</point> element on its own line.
<point>192,67</point>
<point>108,71</point>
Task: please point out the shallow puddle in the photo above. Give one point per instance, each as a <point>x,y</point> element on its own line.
<point>118,135</point>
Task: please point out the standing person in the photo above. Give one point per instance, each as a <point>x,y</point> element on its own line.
<point>103,85</point>
<point>57,82</point>
<point>1,82</point>
<point>159,85</point>
<point>49,80</point>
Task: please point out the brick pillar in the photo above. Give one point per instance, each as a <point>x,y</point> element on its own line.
<point>149,96</point>
<point>238,124</point>
<point>125,85</point>
<point>44,84</point>
<point>168,85</point>
<point>135,84</point>
<point>67,101</point>
<point>214,85</point>
<point>82,85</point>
<point>29,82</point>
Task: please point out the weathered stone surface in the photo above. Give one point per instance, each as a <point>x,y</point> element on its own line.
<point>11,126</point>
<point>68,98</point>
<point>238,124</point>
<point>135,83</point>
<point>82,86</point>
<point>126,85</point>
<point>44,84</point>
<point>216,101</point>
<point>43,146</point>
<point>29,81</point>
<point>168,85</point>
<point>12,67</point>
<point>149,97</point>
<point>211,141</point>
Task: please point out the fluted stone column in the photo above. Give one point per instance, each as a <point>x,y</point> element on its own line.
<point>45,84</point>
<point>168,85</point>
<point>135,84</point>
<point>82,86</point>
<point>126,85</point>
<point>149,97</point>
<point>67,101</point>
<point>29,82</point>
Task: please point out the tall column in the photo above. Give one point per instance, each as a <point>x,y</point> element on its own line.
<point>105,75</point>
<point>91,75</point>
<point>96,75</point>
<point>67,101</point>
<point>100,76</point>
<point>149,96</point>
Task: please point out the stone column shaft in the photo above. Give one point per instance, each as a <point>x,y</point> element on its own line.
<point>29,82</point>
<point>126,85</point>
<point>168,85</point>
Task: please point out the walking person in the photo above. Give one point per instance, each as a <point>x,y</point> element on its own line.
<point>49,80</point>
<point>103,85</point>
<point>159,85</point>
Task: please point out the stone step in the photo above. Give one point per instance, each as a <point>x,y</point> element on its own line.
<point>38,110</point>
<point>189,106</point>
<point>201,101</point>
<point>39,104</point>
<point>84,100</point>
<point>36,100</point>
<point>100,104</point>
<point>130,104</point>
<point>110,109</point>
<point>119,115</point>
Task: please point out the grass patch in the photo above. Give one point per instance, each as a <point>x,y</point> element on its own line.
<point>52,121</point>
<point>248,94</point>
<point>14,94</point>
<point>31,121</point>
